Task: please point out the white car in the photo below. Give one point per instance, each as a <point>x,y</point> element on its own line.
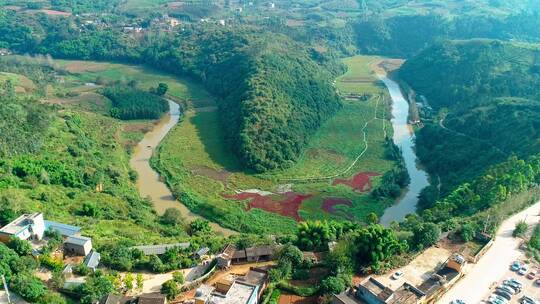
<point>397,275</point>
<point>523,270</point>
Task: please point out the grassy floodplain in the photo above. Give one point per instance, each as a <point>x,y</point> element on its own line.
<point>204,174</point>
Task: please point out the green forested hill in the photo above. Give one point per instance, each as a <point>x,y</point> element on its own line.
<point>458,73</point>
<point>273,93</point>
<point>487,96</point>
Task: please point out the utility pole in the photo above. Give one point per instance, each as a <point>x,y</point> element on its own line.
<point>6,289</point>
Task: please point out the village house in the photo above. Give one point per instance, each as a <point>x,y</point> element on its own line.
<point>242,290</point>
<point>231,255</point>
<point>26,227</point>
<point>78,245</point>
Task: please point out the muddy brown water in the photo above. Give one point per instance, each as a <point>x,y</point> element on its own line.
<point>149,183</point>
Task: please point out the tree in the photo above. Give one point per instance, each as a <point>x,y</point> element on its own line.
<point>521,228</point>
<point>375,245</point>
<point>313,235</point>
<point>290,253</point>
<point>178,277</point>
<point>170,289</point>
<point>372,218</point>
<point>162,89</point>
<point>52,298</point>
<point>96,286</point>
<point>22,247</point>
<point>28,286</point>
<point>172,216</point>
<point>199,226</point>
<point>467,232</point>
<point>332,285</point>
<point>425,235</point>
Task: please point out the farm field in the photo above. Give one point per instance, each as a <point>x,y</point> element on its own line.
<point>206,177</point>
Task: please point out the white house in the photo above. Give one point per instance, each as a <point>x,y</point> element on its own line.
<point>25,227</point>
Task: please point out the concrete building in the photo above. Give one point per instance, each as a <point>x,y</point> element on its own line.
<point>255,254</point>
<point>372,291</point>
<point>25,227</point>
<point>243,290</point>
<point>78,245</point>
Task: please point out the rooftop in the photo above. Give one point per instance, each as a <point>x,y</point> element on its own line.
<point>78,240</point>
<point>160,249</point>
<point>382,292</point>
<point>153,298</point>
<point>255,277</point>
<point>92,260</point>
<point>63,229</point>
<point>19,224</point>
<point>239,293</point>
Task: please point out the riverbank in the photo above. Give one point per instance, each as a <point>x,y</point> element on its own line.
<point>149,182</point>
<point>404,139</point>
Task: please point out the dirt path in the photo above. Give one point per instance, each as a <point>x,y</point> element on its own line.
<point>494,264</point>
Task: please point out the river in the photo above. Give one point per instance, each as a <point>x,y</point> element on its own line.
<point>404,139</point>
<point>149,183</point>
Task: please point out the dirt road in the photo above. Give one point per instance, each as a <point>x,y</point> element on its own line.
<point>474,287</point>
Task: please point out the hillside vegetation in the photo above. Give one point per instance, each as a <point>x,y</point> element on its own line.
<point>272,93</point>
<point>486,93</point>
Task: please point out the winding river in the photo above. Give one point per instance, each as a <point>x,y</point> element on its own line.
<point>149,183</point>
<point>404,139</point>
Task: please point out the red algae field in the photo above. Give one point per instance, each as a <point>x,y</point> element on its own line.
<point>361,182</point>
<point>288,205</point>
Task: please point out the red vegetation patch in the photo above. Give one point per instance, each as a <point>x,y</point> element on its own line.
<point>329,204</point>
<point>360,182</point>
<point>288,206</point>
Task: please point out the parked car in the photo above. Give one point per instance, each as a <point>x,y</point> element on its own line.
<point>523,270</point>
<point>516,282</point>
<point>537,282</point>
<point>397,275</point>
<point>507,289</point>
<point>515,266</point>
<point>531,275</point>
<point>527,300</point>
<point>458,301</point>
<point>515,287</point>
<point>497,299</point>
<point>503,294</point>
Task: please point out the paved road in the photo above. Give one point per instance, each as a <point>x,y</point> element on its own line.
<point>493,265</point>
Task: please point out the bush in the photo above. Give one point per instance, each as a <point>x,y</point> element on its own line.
<point>170,289</point>
<point>28,286</point>
<point>521,228</point>
<point>20,246</point>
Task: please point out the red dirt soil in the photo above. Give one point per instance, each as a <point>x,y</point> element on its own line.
<point>287,207</point>
<point>329,204</point>
<point>360,182</point>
